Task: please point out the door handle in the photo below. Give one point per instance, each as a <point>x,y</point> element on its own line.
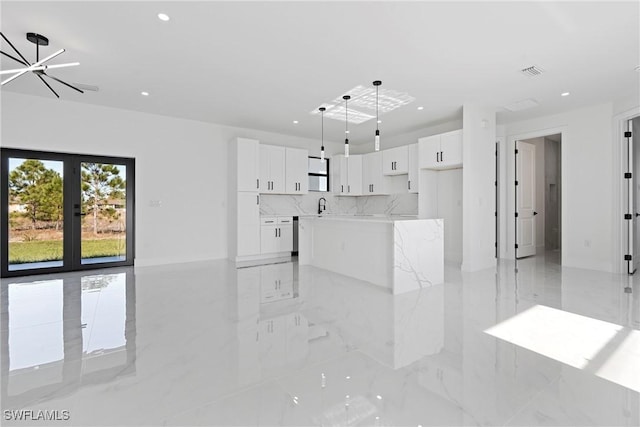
<point>535,213</point>
<point>80,214</point>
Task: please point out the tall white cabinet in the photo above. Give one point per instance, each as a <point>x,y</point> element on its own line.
<point>243,199</point>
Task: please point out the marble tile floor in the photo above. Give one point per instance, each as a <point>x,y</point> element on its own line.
<point>209,344</point>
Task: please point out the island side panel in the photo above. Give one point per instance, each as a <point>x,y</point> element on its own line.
<point>418,254</point>
<point>360,249</point>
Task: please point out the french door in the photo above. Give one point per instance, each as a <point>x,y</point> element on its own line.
<point>65,212</point>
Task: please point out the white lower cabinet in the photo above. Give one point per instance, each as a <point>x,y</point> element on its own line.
<point>248,211</point>
<point>276,235</point>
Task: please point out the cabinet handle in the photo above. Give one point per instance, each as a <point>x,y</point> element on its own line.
<point>409,185</point>
<point>348,189</point>
<point>342,188</point>
<point>372,188</point>
<point>441,157</point>
<point>258,183</point>
<point>257,199</point>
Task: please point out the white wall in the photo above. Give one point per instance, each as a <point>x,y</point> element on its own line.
<point>478,190</point>
<point>587,182</point>
<point>450,209</point>
<point>181,162</point>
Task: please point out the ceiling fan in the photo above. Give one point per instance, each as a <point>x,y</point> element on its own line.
<point>39,67</point>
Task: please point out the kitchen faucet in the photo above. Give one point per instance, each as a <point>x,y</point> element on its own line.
<point>322,206</point>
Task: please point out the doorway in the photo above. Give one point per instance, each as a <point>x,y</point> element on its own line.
<point>538,196</point>
<point>65,212</point>
<point>632,208</point>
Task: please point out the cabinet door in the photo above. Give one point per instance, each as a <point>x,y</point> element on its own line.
<point>265,175</point>
<point>366,175</point>
<point>336,173</point>
<point>285,238</point>
<point>395,161</point>
<point>277,162</point>
<point>377,178</point>
<point>451,149</point>
<point>354,176</point>
<point>248,164</point>
<point>296,167</point>
<point>412,179</point>
<point>268,239</point>
<point>429,149</point>
<point>248,223</point>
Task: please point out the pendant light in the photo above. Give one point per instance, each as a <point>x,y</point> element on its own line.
<point>322,110</point>
<point>346,126</point>
<point>377,138</point>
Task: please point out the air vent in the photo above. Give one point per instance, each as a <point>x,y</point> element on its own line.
<point>522,105</point>
<point>532,71</point>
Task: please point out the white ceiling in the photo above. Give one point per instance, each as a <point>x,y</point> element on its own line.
<point>264,64</point>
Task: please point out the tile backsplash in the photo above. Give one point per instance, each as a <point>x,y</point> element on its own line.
<point>273,204</point>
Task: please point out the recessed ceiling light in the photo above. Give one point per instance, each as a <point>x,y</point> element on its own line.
<point>144,93</point>
<point>163,17</point>
<point>420,108</point>
<point>295,122</point>
<point>565,94</point>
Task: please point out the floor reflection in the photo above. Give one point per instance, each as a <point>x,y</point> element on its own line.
<point>210,344</point>
<point>61,334</point>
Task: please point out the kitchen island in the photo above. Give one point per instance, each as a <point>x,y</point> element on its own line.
<point>401,254</point>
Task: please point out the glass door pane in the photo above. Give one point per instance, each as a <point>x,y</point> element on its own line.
<point>103,212</point>
<point>36,213</point>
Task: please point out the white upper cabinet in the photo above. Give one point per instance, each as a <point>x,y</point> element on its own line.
<point>412,180</point>
<point>451,149</point>
<point>248,169</point>
<point>272,169</point>
<point>347,175</point>
<point>442,151</point>
<point>296,171</point>
<point>373,180</point>
<point>395,161</point>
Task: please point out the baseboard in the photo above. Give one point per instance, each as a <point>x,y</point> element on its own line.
<point>152,262</point>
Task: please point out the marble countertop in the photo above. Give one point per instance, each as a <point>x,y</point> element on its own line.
<point>367,217</point>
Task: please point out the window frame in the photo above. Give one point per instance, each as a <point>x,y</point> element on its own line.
<point>327,175</point>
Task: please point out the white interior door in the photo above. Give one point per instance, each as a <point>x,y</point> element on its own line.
<point>525,199</point>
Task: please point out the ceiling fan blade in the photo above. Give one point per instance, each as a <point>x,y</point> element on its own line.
<point>47,84</point>
<point>83,86</point>
<point>14,58</point>
<point>48,58</point>
<point>39,67</point>
<point>15,76</point>
<point>14,48</point>
<point>15,70</point>
<point>64,83</point>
